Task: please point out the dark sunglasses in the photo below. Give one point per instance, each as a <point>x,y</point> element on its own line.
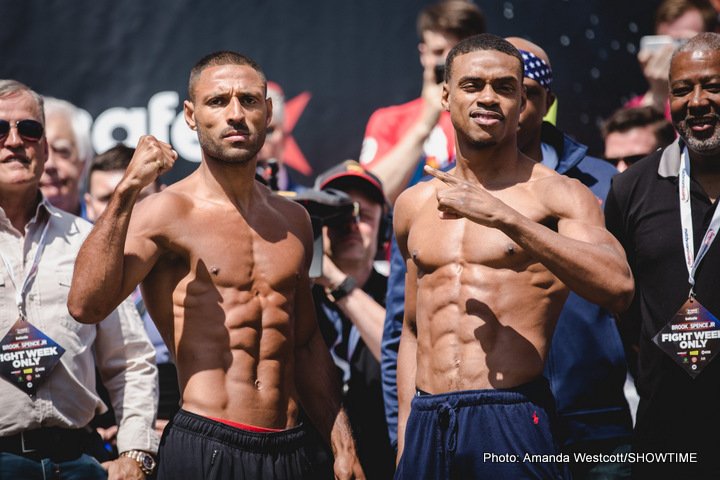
<point>629,160</point>
<point>30,130</point>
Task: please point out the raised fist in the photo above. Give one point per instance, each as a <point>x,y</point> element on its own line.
<point>152,158</point>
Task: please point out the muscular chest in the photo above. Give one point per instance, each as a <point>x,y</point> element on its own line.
<point>235,254</point>
<point>434,242</point>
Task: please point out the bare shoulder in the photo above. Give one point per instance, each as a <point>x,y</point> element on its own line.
<point>291,213</point>
<point>565,197</point>
<point>410,201</point>
<point>162,208</point>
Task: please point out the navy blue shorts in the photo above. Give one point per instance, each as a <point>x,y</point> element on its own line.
<point>481,434</point>
<point>193,446</point>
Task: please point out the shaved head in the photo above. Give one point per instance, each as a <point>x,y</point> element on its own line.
<point>528,46</point>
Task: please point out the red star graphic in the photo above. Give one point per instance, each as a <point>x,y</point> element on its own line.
<point>294,157</point>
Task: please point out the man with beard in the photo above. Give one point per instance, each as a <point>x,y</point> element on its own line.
<point>492,249</point>
<point>224,269</point>
<point>663,211</point>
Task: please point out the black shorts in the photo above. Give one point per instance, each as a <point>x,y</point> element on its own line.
<point>193,447</point>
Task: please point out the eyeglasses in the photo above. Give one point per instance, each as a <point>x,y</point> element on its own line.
<point>30,130</point>
<point>629,160</point>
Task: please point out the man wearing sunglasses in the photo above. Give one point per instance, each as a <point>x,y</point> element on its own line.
<point>47,360</point>
<point>633,133</point>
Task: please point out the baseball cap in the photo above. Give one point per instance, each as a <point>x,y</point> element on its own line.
<point>350,174</point>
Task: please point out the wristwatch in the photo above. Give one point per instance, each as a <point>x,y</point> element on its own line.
<point>342,290</point>
<point>145,460</point>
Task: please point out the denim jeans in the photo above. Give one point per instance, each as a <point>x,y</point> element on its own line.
<point>84,467</point>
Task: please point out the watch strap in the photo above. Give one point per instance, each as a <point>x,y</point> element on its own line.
<point>342,290</point>
<point>145,460</point>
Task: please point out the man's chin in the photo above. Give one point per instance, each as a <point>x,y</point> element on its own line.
<point>51,192</point>
<point>703,143</point>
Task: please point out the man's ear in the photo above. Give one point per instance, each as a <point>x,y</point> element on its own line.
<point>444,102</point>
<point>422,48</point>
<point>269,106</point>
<point>523,98</point>
<point>549,101</point>
<point>189,114</point>
<point>89,205</point>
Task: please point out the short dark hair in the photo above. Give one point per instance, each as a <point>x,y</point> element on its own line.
<point>626,119</point>
<point>459,18</point>
<point>115,159</point>
<point>217,59</point>
<point>670,10</point>
<point>484,41</point>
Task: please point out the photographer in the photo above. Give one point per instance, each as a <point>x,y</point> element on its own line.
<point>349,300</point>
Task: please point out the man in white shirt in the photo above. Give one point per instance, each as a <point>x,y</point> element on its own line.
<point>47,360</point>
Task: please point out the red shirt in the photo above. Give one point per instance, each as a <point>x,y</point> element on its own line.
<point>388,125</point>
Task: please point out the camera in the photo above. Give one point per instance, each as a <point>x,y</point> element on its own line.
<point>328,207</point>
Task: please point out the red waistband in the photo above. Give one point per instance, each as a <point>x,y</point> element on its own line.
<point>248,428</point>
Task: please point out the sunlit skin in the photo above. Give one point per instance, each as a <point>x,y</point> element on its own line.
<point>538,103</point>
<point>231,119</point>
<point>395,168</point>
<point>21,167</point>
<point>61,181</point>
<point>435,47</point>
<point>695,108</point>
<point>686,25</point>
<point>274,143</point>
<point>695,99</point>
<point>101,186</point>
<point>224,264</point>
<point>480,243</point>
<point>479,337</point>
<point>356,241</point>
<point>21,162</point>
<point>636,141</point>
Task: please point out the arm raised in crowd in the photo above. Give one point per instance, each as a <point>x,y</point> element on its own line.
<point>116,257</point>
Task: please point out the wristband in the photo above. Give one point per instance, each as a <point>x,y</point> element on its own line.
<point>342,290</point>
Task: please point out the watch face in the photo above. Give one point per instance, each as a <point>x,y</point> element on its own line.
<point>148,462</point>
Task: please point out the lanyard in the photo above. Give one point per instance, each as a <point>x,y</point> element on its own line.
<point>691,261</point>
<point>30,276</point>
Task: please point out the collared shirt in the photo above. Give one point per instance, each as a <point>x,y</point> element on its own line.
<point>643,212</point>
<point>118,345</point>
<point>549,156</point>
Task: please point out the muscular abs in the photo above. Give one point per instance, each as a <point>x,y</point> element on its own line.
<point>485,308</point>
<point>230,320</point>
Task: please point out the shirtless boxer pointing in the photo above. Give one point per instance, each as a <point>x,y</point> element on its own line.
<point>492,249</point>
<point>224,269</point>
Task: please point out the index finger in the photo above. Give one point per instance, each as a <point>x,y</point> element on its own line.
<point>442,176</point>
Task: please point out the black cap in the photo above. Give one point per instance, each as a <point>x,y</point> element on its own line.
<point>350,174</point>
